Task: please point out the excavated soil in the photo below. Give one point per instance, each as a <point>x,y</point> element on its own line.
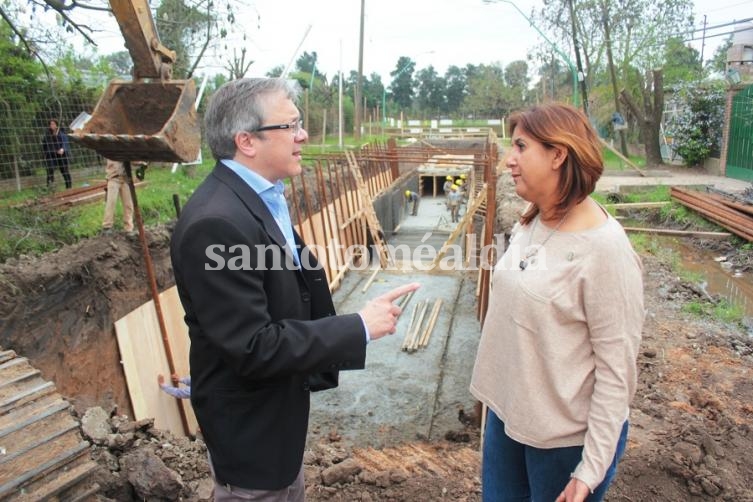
<point>690,435</point>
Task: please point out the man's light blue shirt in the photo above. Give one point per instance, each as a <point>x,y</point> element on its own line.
<point>273,195</point>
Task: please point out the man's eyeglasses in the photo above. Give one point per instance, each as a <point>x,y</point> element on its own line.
<point>295,127</point>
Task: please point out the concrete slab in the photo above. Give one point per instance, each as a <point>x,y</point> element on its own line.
<point>614,181</point>
<point>403,396</point>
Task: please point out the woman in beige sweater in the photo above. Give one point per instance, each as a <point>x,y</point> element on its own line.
<point>556,364</point>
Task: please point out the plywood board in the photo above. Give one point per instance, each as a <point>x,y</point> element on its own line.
<point>144,357</point>
<point>177,333</point>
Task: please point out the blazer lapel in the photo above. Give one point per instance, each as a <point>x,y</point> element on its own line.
<point>254,203</point>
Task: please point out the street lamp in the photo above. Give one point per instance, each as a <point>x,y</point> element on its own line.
<point>556,49</point>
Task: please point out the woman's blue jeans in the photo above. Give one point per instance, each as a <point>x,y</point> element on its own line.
<point>514,471</point>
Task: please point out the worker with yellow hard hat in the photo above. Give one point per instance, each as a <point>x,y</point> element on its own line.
<point>447,187</point>
<point>412,197</point>
<point>453,200</point>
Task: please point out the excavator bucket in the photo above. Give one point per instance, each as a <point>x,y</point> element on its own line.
<point>154,121</point>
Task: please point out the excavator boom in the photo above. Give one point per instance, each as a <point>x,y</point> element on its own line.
<point>151,118</point>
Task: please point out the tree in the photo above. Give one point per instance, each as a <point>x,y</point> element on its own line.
<point>718,63</point>
<point>306,62</point>
<point>20,89</point>
<point>455,89</point>
<point>401,88</point>
<point>487,93</point>
<point>517,80</point>
<point>120,63</point>
<point>650,118</point>
<point>681,63</point>
<point>697,129</point>
<point>430,91</point>
<point>181,27</point>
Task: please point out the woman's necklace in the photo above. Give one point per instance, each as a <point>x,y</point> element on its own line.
<point>533,252</point>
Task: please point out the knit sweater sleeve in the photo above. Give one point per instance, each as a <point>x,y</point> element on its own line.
<point>613,302</point>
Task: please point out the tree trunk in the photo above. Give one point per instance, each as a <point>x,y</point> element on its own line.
<point>649,118</point>
<point>612,73</point>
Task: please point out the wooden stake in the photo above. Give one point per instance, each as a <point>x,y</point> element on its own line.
<point>424,341</point>
<point>371,279</point>
<point>404,346</point>
<point>414,339</point>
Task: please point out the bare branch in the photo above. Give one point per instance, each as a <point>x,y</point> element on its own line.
<point>60,6</point>
<point>22,38</point>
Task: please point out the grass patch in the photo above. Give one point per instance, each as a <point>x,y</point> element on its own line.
<point>614,163</point>
<point>36,229</point>
<point>722,310</point>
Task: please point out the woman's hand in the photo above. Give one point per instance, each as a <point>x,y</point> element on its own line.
<point>575,491</point>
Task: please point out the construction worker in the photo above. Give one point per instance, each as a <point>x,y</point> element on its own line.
<point>412,197</point>
<point>453,200</point>
<point>447,187</point>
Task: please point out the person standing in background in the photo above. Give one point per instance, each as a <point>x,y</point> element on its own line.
<point>56,150</point>
<point>117,187</point>
<point>447,188</point>
<point>556,364</point>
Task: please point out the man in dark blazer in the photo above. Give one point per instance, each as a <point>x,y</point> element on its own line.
<point>263,328</point>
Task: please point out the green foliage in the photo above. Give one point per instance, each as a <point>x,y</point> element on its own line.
<point>718,63</point>
<point>659,193</point>
<point>613,163</point>
<point>722,310</point>
<point>401,88</point>
<point>697,129</point>
<point>182,28</point>
<point>682,63</point>
<point>36,229</point>
<point>20,88</point>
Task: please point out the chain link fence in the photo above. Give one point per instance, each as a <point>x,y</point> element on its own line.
<point>26,109</point>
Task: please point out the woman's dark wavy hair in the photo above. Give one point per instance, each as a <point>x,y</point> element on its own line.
<point>562,125</point>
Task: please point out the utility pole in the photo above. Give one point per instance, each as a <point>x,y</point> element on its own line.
<point>581,75</point>
<point>703,40</point>
<point>357,98</point>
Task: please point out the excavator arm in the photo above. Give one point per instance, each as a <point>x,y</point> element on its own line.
<point>152,118</point>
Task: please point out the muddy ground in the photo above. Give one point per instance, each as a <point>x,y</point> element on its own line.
<point>690,438</point>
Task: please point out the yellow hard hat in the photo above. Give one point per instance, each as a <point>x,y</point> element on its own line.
<point>459,182</point>
<point>449,178</point>
<point>463,176</point>
<point>407,193</point>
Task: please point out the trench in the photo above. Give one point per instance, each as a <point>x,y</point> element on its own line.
<point>719,276</point>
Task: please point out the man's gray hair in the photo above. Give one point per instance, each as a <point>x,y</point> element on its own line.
<point>238,106</point>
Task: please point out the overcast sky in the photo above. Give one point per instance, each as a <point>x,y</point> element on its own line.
<point>431,32</point>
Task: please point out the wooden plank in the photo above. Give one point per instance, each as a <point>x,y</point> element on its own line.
<point>38,406</point>
<point>637,205</point>
<point>180,343</point>
<point>41,454</point>
<point>143,358</point>
<point>59,460</point>
<point>21,422</point>
<point>40,436</point>
<point>26,395</point>
<point>667,231</point>
<point>624,159</point>
<point>7,355</point>
<point>64,481</point>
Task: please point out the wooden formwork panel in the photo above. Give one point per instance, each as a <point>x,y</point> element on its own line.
<point>143,356</point>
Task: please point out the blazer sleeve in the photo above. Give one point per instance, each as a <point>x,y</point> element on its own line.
<point>232,306</point>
